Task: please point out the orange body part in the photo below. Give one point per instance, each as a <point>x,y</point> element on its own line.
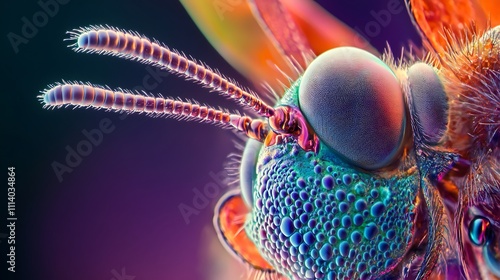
<point>231,221</point>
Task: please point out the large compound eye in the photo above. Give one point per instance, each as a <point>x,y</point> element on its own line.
<point>354,103</point>
<point>248,170</point>
<point>429,102</point>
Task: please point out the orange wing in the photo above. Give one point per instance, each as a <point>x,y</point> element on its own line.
<point>290,27</point>
<point>322,30</point>
<point>229,221</point>
<point>277,22</point>
<point>232,30</point>
<point>435,18</point>
<point>491,10</point>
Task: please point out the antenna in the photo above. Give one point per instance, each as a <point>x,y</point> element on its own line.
<point>130,45</point>
<point>282,121</point>
<point>87,95</point>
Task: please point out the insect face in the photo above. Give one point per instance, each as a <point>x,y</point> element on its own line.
<point>315,217</point>
<point>319,208</point>
<point>318,215</point>
<point>348,175</point>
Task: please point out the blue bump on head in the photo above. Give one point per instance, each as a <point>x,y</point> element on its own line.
<point>312,223</point>
<point>326,252</point>
<point>297,223</point>
<point>336,222</point>
<point>332,239</point>
<point>309,263</point>
<point>303,195</point>
<point>327,182</point>
<point>314,253</point>
<point>344,248</point>
<point>320,237</point>
<point>342,233</point>
<point>377,209</point>
<point>346,179</point>
<point>383,246</point>
<point>346,221</point>
<point>317,169</point>
<point>287,227</point>
<point>354,103</point>
<point>339,261</point>
<point>390,234</point>
<point>370,231</point>
<point>349,273</point>
<point>340,195</point>
<point>303,248</point>
<point>308,207</point>
<point>309,238</point>
<point>360,204</point>
<point>318,203</point>
<point>328,226</point>
<point>301,183</point>
<point>351,197</point>
<point>361,267</point>
<point>358,219</point>
<point>356,237</point>
<point>343,207</point>
<point>304,218</point>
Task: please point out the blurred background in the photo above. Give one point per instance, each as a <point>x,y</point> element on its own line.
<point>116,214</point>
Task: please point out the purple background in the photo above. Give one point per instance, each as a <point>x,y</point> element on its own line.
<point>119,207</point>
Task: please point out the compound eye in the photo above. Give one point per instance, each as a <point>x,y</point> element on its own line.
<point>354,103</point>
<point>248,170</point>
<point>429,102</point>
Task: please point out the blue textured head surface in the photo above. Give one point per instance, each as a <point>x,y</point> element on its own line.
<point>316,217</point>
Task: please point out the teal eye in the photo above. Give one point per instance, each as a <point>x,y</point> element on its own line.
<point>430,104</point>
<point>354,103</point>
<point>482,233</point>
<point>479,231</point>
<point>248,170</point>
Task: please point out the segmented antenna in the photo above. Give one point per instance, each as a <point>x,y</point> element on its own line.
<point>131,45</point>
<point>281,121</point>
<point>86,95</point>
